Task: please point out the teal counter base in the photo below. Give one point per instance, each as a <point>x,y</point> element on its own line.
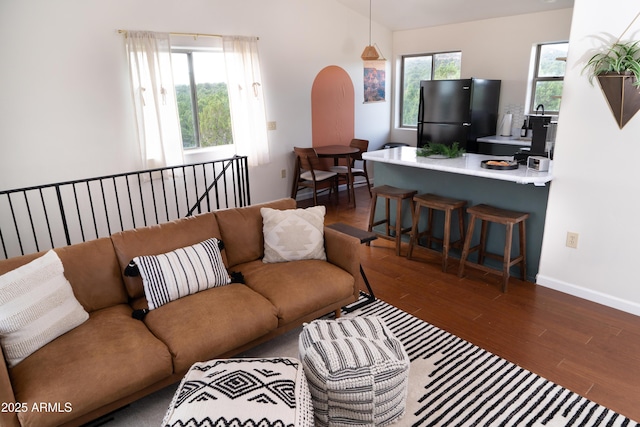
<point>475,190</point>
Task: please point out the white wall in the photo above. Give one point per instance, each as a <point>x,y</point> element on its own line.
<point>497,48</point>
<point>595,189</point>
<point>66,109</point>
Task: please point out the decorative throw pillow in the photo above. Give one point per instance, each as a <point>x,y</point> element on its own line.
<point>293,234</point>
<point>37,305</point>
<point>182,272</point>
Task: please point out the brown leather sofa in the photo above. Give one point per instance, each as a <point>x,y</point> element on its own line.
<point>113,359</point>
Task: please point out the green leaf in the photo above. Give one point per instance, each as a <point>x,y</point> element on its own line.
<point>441,149</point>
<point>619,58</point>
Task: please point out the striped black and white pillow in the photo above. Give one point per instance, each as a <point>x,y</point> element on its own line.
<point>185,271</point>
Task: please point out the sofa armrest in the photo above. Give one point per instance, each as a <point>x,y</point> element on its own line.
<point>7,418</point>
<point>344,251</point>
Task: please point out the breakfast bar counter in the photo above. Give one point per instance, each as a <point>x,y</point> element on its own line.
<point>464,178</point>
<point>468,164</point>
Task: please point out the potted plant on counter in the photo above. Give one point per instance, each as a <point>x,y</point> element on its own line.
<point>617,68</point>
<point>442,151</point>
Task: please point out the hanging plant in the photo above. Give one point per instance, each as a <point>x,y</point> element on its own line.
<point>620,58</point>
<point>617,68</point>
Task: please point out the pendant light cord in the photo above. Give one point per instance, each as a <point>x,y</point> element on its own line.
<point>370,22</point>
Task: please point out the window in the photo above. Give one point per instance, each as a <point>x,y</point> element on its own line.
<point>434,66</point>
<point>548,77</point>
<point>203,100</point>
<point>205,115</point>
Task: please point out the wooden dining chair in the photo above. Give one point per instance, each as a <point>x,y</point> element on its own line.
<point>343,174</point>
<point>308,173</point>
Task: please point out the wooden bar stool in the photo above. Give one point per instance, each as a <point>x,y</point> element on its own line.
<point>448,205</point>
<point>487,214</point>
<point>390,193</point>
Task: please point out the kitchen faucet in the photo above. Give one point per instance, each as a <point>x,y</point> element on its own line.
<point>538,108</point>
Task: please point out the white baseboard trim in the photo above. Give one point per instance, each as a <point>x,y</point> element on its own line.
<point>589,294</point>
<point>308,193</point>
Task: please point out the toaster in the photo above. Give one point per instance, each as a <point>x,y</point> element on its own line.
<point>538,163</point>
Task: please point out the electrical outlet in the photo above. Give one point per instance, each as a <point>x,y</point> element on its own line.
<point>283,173</point>
<point>572,240</point>
<point>271,125</point>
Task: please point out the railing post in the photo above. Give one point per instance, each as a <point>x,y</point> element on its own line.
<point>63,216</point>
<point>245,186</point>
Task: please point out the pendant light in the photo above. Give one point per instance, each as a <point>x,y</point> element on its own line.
<point>370,53</point>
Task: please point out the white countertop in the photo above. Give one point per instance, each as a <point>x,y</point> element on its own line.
<point>468,164</point>
<point>506,140</point>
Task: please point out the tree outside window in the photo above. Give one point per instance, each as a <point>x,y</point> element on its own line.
<point>548,79</point>
<point>202,97</point>
<point>432,66</point>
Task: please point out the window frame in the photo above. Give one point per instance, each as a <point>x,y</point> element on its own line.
<point>189,51</point>
<point>402,78</point>
<point>535,78</point>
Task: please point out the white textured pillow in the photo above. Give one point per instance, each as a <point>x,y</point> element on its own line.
<point>293,234</point>
<point>37,305</point>
<point>182,272</point>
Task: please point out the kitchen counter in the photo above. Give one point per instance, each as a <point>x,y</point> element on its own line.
<point>463,178</point>
<point>468,164</point>
<point>506,140</point>
<point>501,145</point>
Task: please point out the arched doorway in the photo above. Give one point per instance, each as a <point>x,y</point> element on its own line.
<point>332,107</point>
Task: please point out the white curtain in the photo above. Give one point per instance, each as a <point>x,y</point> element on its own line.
<point>246,98</point>
<point>156,110</point>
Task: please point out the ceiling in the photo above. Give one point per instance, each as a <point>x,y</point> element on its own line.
<point>398,15</point>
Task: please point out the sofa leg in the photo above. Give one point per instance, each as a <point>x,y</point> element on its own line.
<point>338,312</point>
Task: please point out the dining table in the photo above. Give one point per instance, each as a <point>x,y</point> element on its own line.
<point>337,152</point>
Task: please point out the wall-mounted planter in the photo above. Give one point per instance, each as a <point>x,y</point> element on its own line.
<point>621,93</point>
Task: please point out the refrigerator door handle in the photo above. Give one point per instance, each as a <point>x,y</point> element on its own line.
<point>421,105</point>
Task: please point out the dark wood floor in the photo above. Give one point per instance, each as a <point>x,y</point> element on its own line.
<point>588,348</point>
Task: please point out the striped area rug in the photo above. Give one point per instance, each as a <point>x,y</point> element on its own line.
<point>454,383</point>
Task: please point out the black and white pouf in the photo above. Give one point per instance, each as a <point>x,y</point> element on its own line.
<point>357,371</point>
<point>269,392</point>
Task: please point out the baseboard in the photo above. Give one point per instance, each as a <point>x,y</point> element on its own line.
<point>308,193</point>
<point>589,294</point>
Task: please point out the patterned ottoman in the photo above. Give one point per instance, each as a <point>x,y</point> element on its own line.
<point>357,371</point>
<point>270,392</point>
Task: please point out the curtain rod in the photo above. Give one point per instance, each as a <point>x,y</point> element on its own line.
<point>194,35</point>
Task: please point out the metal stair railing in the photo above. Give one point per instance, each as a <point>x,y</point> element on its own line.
<point>43,217</point>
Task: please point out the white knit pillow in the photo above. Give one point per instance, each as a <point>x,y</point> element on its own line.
<point>293,234</point>
<point>37,305</point>
<point>185,271</point>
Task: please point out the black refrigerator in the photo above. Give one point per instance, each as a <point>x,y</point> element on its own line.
<point>457,111</point>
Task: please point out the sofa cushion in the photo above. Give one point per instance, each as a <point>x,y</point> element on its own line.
<point>37,306</point>
<point>293,234</point>
<point>298,288</point>
<point>241,230</point>
<point>207,324</point>
<point>107,358</point>
<point>92,269</point>
<point>158,239</point>
<point>181,272</point>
